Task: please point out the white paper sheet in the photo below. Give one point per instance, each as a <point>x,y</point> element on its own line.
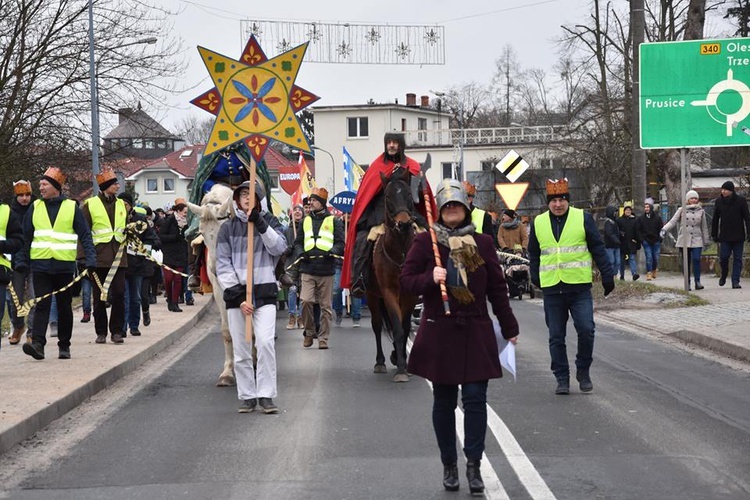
<point>506,349</point>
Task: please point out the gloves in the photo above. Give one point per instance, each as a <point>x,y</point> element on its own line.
<point>261,225</point>
<point>662,233</point>
<point>608,285</point>
<point>253,216</point>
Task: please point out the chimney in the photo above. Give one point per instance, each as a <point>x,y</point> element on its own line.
<point>411,99</point>
<point>425,101</point>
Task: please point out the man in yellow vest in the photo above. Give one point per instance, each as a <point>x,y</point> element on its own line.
<point>564,243</point>
<point>319,243</point>
<point>52,229</point>
<point>107,216</point>
<point>11,241</point>
<point>481,219</point>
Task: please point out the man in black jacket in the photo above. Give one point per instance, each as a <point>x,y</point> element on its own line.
<point>22,283</point>
<point>320,243</point>
<point>730,228</point>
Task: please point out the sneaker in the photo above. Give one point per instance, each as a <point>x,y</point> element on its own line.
<point>247,405</point>
<point>36,351</point>
<point>146,318</point>
<point>636,276</point>
<point>64,353</point>
<point>308,342</point>
<point>339,318</point>
<point>267,406</point>
<point>135,332</point>
<point>101,339</point>
<point>355,323</point>
<point>117,338</point>
<point>86,317</point>
<point>584,381</point>
<point>563,387</point>
<point>190,302</point>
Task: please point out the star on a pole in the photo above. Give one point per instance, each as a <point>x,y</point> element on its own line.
<point>255,99</point>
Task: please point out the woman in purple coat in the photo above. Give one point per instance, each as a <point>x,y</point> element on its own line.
<point>459,349</point>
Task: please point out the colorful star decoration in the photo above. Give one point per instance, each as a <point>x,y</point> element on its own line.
<point>255,99</point>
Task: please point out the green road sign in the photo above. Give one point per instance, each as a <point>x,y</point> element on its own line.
<point>695,93</point>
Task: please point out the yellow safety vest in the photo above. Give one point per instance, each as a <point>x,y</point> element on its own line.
<point>477,218</point>
<point>58,242</point>
<point>101,229</point>
<point>4,216</point>
<point>568,260</point>
<point>324,241</point>
<point>140,210</point>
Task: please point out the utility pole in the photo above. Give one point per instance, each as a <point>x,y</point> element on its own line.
<point>638,30</point>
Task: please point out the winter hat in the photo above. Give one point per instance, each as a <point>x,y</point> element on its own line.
<point>126,198</point>
<point>691,194</point>
<point>649,201</point>
<point>729,186</point>
<point>510,213</point>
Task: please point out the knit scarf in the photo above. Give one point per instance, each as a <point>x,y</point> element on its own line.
<point>511,225</point>
<point>239,213</point>
<point>181,221</point>
<point>463,259</point>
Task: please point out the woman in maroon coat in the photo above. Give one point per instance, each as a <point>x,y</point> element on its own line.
<point>459,349</point>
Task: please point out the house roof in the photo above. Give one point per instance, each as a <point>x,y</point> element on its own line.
<point>136,123</point>
<point>184,161</point>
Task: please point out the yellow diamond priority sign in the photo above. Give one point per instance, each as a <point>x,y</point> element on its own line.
<point>512,166</point>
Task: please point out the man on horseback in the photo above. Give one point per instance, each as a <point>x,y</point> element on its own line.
<point>367,211</point>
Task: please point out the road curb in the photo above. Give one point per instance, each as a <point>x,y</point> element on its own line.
<point>728,349</point>
<point>56,409</point>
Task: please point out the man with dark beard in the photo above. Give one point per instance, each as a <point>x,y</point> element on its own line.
<point>368,210</point>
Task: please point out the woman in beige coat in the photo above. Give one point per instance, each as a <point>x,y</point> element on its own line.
<point>694,231</point>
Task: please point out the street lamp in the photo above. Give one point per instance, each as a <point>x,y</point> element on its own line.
<point>333,165</point>
<point>95,97</point>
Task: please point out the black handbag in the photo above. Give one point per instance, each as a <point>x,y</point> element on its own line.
<point>234,296</point>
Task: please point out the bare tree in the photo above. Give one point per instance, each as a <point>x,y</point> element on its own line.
<point>738,12</point>
<point>195,129</point>
<point>506,83</point>
<point>44,72</point>
<point>464,102</point>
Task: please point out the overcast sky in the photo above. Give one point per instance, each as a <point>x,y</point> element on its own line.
<point>475,33</point>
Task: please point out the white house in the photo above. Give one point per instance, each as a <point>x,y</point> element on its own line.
<point>165,179</point>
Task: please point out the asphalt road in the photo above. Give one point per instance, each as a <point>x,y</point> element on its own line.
<point>660,423</point>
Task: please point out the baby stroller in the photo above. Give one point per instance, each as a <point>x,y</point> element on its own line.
<point>516,267</point>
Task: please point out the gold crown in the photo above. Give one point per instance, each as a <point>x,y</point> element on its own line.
<point>320,193</point>
<point>470,188</point>
<point>56,174</point>
<point>557,187</point>
<point>21,187</point>
<point>105,175</point>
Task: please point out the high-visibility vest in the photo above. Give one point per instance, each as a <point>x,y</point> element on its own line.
<point>477,218</point>
<point>140,210</point>
<point>4,216</point>
<point>101,229</point>
<point>567,260</point>
<point>58,242</point>
<point>324,241</point>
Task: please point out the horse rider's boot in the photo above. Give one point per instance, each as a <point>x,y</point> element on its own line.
<point>360,263</point>
<point>292,322</point>
<point>450,477</point>
<point>476,485</point>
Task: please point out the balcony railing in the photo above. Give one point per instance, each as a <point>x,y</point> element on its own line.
<point>485,136</point>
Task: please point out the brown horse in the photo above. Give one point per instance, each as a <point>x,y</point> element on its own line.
<point>389,308</point>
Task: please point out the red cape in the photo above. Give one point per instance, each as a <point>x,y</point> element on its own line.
<point>368,188</point>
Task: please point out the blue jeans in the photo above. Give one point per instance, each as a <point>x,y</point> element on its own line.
<point>631,259</point>
<point>613,254</point>
<point>580,306</point>
<point>694,261</point>
<point>651,250</point>
<point>474,399</point>
<point>132,302</point>
<point>86,295</point>
<point>293,303</point>
<point>734,249</point>
<point>338,300</point>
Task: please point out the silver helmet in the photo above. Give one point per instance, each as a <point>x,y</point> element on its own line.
<point>451,190</point>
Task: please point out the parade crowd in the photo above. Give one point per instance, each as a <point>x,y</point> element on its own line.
<point>50,246</point>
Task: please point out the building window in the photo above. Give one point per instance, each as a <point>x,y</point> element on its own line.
<point>551,163</point>
<point>487,166</point>
<point>448,170</point>
<point>138,143</point>
<point>357,127</point>
<point>274,181</point>
<point>169,185</point>
<point>150,144</point>
<point>403,124</point>
<point>152,185</point>
<point>422,125</point>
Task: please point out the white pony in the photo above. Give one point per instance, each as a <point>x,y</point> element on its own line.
<point>215,207</point>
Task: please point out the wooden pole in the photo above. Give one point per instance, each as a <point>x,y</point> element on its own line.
<point>250,251</point>
<point>436,251</point>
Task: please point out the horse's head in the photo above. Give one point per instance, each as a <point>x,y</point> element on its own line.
<point>399,204</point>
<point>214,208</point>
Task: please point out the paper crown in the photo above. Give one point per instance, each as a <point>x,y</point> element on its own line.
<point>21,187</point>
<point>557,188</point>
<point>470,188</point>
<point>105,175</point>
<point>56,175</point>
<point>321,193</point>
<point>177,201</point>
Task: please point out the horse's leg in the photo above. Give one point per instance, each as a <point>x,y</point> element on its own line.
<point>394,312</point>
<point>377,328</point>
<point>226,379</point>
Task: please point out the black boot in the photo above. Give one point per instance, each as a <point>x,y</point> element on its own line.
<point>360,264</point>
<point>476,485</point>
<point>584,381</point>
<point>450,477</point>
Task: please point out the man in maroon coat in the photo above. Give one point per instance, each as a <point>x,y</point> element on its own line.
<point>368,210</point>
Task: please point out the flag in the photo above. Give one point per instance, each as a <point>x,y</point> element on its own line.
<point>352,173</point>
<point>306,182</point>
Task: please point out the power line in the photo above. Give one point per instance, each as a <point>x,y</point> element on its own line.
<point>507,9</point>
